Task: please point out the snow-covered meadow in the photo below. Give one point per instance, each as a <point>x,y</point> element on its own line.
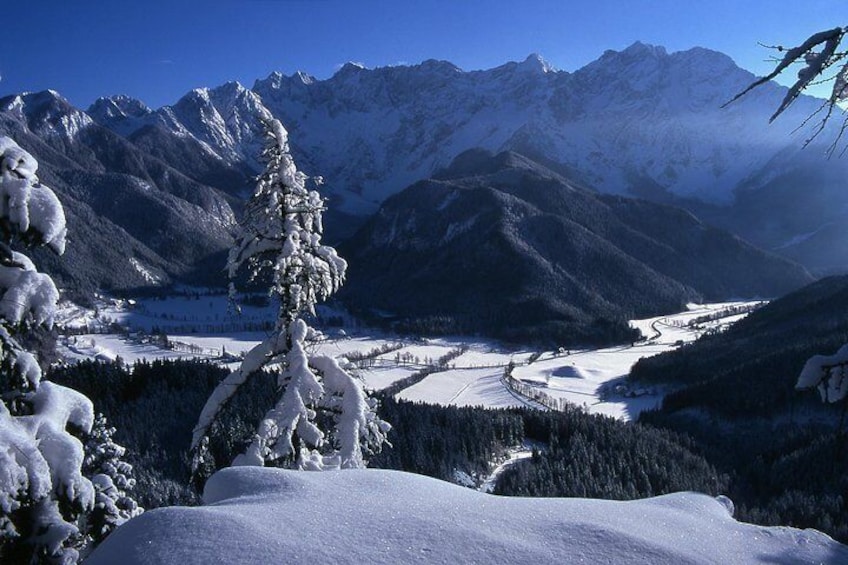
<point>474,375</point>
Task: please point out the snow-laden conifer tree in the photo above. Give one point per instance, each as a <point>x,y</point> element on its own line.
<point>323,418</point>
<point>112,479</point>
<point>44,495</point>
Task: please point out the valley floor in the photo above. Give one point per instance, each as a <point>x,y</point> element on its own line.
<point>476,373</point>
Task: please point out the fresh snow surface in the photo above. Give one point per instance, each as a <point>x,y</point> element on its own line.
<point>262,515</point>
<point>108,347</point>
<point>379,378</point>
<point>462,387</point>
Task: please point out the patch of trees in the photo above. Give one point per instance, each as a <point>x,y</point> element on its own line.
<point>512,323</point>
<point>438,441</point>
<point>154,408</point>
<point>779,473</point>
<point>735,310</point>
<point>601,457</point>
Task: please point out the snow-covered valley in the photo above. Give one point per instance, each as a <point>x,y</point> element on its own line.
<point>475,375</point>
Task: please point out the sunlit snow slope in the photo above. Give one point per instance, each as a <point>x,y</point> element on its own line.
<point>260,516</point>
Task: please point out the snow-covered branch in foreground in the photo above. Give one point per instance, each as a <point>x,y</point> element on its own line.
<point>828,374</point>
<point>821,61</point>
<point>323,418</point>
<point>46,499</point>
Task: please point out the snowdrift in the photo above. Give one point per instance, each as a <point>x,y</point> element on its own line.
<point>261,516</point>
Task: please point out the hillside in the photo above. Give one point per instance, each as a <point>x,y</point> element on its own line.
<point>134,220</point>
<point>734,393</point>
<point>501,245</point>
<point>804,323</point>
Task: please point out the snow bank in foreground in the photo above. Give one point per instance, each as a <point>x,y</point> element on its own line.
<point>259,515</point>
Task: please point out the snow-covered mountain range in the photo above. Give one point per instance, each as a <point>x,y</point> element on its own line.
<point>640,122</point>
<point>636,121</point>
<point>133,220</point>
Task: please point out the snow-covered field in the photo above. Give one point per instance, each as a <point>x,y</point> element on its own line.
<point>462,387</point>
<point>256,515</point>
<point>592,378</point>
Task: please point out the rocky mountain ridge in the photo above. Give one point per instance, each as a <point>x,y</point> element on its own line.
<point>640,122</point>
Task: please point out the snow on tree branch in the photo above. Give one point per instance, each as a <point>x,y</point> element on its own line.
<point>28,208</point>
<point>828,374</point>
<point>818,56</point>
<point>323,417</point>
<point>45,497</point>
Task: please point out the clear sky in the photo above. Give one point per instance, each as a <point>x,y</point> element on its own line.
<point>157,51</point>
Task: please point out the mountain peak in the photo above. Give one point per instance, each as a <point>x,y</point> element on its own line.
<point>117,107</point>
<point>303,77</point>
<point>231,86</point>
<point>438,65</point>
<point>536,63</point>
<point>703,57</point>
<point>350,68</point>
<point>47,113</point>
<point>645,49</point>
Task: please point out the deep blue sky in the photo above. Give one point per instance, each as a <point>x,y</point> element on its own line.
<point>157,51</point>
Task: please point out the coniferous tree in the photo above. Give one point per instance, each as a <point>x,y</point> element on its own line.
<point>323,418</point>
<point>45,497</point>
<point>112,479</point>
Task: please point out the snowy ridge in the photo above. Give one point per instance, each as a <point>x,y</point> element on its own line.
<point>642,122</point>
<point>223,120</point>
<point>636,117</point>
<point>48,114</point>
<point>261,515</point>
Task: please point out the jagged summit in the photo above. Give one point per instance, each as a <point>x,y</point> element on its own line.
<point>639,49</point>
<point>304,77</point>
<point>117,106</point>
<point>349,68</point>
<point>438,65</point>
<point>536,63</point>
<point>645,52</point>
<point>47,113</point>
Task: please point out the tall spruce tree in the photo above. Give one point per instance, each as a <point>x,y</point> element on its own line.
<point>323,417</point>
